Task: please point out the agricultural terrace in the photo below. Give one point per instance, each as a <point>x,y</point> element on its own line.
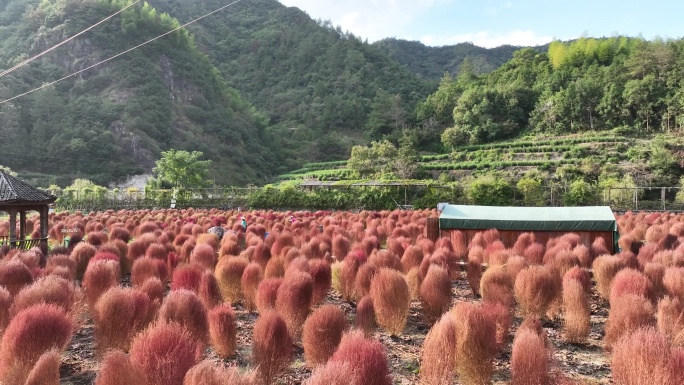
<point>150,297</point>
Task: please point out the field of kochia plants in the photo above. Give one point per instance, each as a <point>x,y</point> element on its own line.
<point>149,297</point>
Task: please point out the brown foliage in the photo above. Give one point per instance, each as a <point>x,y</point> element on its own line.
<point>656,272</point>
<point>641,358</point>
<point>267,293</point>
<point>605,268</point>
<point>119,315</point>
<point>209,291</point>
<point>165,352</point>
<point>391,299</point>
<point>322,278</point>
<point>474,273</point>
<point>673,281</point>
<point>322,333</point>
<point>209,373</point>
<point>496,286</point>
<point>671,320</point>
<point>117,369</point>
<point>99,277</point>
<point>81,255</point>
<point>363,280</point>
<point>271,346</point>
<point>365,315</point>
<point>249,284</point>
<point>229,272</point>
<point>412,257</point>
<point>146,267</point>
<point>475,343</point>
<point>503,319</point>
<point>223,330</point>
<point>576,312</point>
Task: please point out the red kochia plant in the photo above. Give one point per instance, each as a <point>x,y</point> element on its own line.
<point>204,255</point>
<point>534,254</point>
<point>439,352</point>
<point>337,373</point>
<point>99,277</point>
<point>209,373</point>
<point>413,256</point>
<point>475,343</point>
<point>496,286</point>
<point>627,313</point>
<point>32,332</point>
<point>229,272</point>
<point>435,292</point>
<point>222,330</point>
<point>185,308</point>
<point>267,293</point>
<point>209,291</point>
<point>119,315</point>
<point>14,275</point>
<point>46,370</point>
<point>61,265</point>
<point>656,272</point>
<point>249,283</point>
<point>576,312</point>
<point>165,352</point>
<point>117,369</point>
<point>530,359</point>
<point>630,281</point>
<point>322,279</point>
<point>671,319</point>
<point>52,290</point>
<point>187,277</point>
<point>294,301</point>
<point>365,315</point>
<point>605,268</point>
<point>474,269</point>
<point>641,358</point>
<point>391,300</point>
<point>5,303</point>
<point>322,333</point>
<point>154,289</point>
<point>536,287</point>
<point>271,346</point>
<point>502,318</point>
<point>367,358</point>
<point>673,281</point>
<point>81,255</point>
<point>363,280</point>
<point>580,275</point>
<point>146,267</point>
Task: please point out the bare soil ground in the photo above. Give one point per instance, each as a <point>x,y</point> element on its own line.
<point>588,363</point>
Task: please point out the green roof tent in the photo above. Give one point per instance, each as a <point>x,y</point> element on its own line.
<point>593,219</point>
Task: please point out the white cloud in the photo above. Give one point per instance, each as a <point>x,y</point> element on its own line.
<point>488,40</point>
<point>371,19</point>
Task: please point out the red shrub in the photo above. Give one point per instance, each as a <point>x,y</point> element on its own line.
<point>534,254</point>
<point>646,253</point>
<point>46,370</point>
<point>583,254</point>
<point>117,369</point>
<point>365,315</point>
<point>249,284</point>
<point>363,280</point>
<point>294,301</point>
<point>209,291</point>
<point>154,289</point>
<point>523,242</point>
<point>32,332</point>
<point>186,309</point>
<point>347,276</point>
<point>322,333</point>
<point>97,238</point>
<point>61,265</point>
<point>474,273</point>
<point>282,241</point>
<point>267,293</point>
<point>671,319</point>
<point>157,251</point>
<point>229,272</point>
<point>435,293</point>
<point>222,330</point>
<point>99,276</point>
<point>14,276</point>
<point>475,343</point>
<point>119,315</point>
<point>144,268</point>
<point>502,318</point>
<point>209,373</point>
<point>5,303</point>
<point>271,346</point>
<point>119,233</point>
<point>81,255</point>
<point>655,273</point>
<point>530,360</point>
<point>438,361</point>
<point>187,248</point>
<point>580,275</point>
<point>51,290</point>
<point>391,300</point>
<point>496,286</point>
<point>598,247</point>
<point>367,358</point>
<point>576,312</point>
<point>605,268</point>
<point>641,357</point>
<point>673,281</point>
<point>627,313</point>
<point>322,279</point>
<point>630,281</point>
<point>229,248</point>
<point>411,258</point>
<point>536,287</point>
<point>187,277</point>
<point>165,352</point>
<point>203,255</point>
<point>337,373</point>
<point>340,246</point>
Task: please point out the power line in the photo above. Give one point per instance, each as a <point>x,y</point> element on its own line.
<point>119,54</point>
<point>3,73</point>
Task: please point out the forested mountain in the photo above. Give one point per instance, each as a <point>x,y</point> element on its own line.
<point>434,62</point>
<point>113,120</point>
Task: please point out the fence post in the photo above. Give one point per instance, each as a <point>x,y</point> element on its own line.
<point>662,197</point>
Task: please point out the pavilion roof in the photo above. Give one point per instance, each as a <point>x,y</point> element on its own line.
<point>15,191</point>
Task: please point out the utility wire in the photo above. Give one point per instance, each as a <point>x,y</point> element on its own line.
<point>119,54</point>
<point>3,73</point>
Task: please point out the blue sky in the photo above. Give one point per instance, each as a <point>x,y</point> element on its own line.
<point>491,23</point>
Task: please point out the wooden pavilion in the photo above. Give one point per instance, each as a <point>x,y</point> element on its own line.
<point>17,196</point>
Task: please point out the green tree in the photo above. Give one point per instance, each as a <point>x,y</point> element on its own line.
<point>532,190</point>
<point>490,191</point>
<point>183,169</point>
<point>580,193</point>
<point>378,160</point>
<point>7,170</point>
<point>454,137</point>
